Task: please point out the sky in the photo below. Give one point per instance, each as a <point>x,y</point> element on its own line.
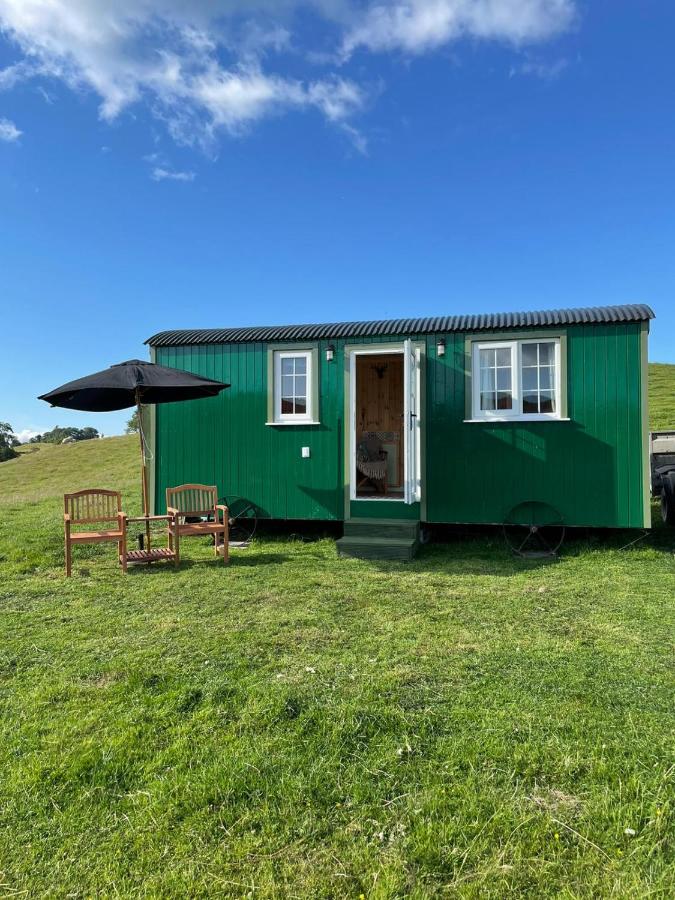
<point>214,163</point>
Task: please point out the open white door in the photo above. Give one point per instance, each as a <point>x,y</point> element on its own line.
<point>411,423</point>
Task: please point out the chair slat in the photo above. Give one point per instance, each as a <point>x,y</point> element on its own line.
<point>96,505</point>
<point>193,499</point>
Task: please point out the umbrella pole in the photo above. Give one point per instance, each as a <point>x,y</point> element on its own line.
<point>144,472</point>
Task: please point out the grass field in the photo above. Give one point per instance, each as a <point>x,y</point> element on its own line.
<point>299,725</point>
<point>661,396</point>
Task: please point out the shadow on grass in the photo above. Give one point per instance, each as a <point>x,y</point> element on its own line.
<point>257,559</point>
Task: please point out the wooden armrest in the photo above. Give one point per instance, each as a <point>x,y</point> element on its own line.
<point>222,508</point>
<point>66,517</point>
<point>172,511</point>
<point>122,515</point>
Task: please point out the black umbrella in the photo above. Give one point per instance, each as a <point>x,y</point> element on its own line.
<point>132,383</point>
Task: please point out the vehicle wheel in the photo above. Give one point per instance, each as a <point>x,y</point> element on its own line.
<point>534,530</point>
<point>243,519</point>
<point>668,498</point>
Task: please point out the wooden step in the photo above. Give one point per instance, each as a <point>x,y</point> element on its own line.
<point>377,547</point>
<point>382,528</point>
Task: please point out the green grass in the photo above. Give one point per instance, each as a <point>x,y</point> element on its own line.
<point>300,725</point>
<point>661,397</point>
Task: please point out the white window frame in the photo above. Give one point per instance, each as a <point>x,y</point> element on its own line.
<point>516,412</point>
<point>293,418</point>
<point>479,413</point>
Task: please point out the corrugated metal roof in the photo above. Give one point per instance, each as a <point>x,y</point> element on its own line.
<point>486,322</point>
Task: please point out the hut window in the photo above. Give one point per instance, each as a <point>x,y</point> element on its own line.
<point>516,379</point>
<point>293,386</point>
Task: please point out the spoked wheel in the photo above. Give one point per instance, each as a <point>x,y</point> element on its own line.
<point>534,530</point>
<point>242,518</point>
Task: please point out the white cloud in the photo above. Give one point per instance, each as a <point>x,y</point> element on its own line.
<point>209,66</point>
<point>8,131</point>
<point>161,174</point>
<point>547,71</point>
<point>12,75</point>
<point>46,96</point>
<point>27,434</point>
<point>416,26</point>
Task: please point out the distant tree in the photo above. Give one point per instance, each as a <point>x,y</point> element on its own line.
<point>8,441</point>
<point>58,435</point>
<point>132,424</point>
<point>87,434</point>
<point>36,439</point>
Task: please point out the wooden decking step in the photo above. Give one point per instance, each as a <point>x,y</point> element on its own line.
<point>379,539</point>
<point>385,528</point>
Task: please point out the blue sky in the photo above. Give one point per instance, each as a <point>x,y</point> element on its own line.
<point>169,164</point>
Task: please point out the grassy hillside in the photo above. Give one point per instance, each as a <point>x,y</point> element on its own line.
<point>50,470</point>
<point>661,396</point>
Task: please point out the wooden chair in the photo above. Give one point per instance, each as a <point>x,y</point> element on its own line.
<point>190,501</point>
<point>89,507</point>
<point>371,462</point>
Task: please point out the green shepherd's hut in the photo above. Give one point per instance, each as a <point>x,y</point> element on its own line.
<point>385,425</point>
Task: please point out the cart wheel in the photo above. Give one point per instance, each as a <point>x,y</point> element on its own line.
<point>668,498</point>
<point>534,530</point>
<point>242,519</point>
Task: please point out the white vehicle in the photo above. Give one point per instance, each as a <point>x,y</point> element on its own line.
<point>662,467</point>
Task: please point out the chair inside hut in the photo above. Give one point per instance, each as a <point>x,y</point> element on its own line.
<point>379,425</point>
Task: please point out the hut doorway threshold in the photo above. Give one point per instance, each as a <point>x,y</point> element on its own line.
<point>384,424</point>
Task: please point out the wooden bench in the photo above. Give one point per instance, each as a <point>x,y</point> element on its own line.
<point>94,506</point>
<point>196,501</point>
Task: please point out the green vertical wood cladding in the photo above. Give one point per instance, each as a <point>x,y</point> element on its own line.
<point>590,468</point>
<point>224,440</point>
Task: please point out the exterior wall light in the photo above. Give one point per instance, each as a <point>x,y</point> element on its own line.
<point>330,353</point>
<point>440,347</point>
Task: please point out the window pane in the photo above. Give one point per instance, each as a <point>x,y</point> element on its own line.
<point>487,380</point>
<point>503,379</point>
<point>286,406</point>
<point>530,404</point>
<point>547,402</point>
<point>538,377</point>
<point>547,354</point>
<point>487,401</point>
<point>300,385</point>
<point>546,382</point>
<point>529,354</point>
<point>300,365</point>
<point>504,400</point>
<point>287,366</point>
<point>287,386</point>
<point>487,358</point>
<point>504,356</point>
<point>529,379</point>
<point>300,406</point>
